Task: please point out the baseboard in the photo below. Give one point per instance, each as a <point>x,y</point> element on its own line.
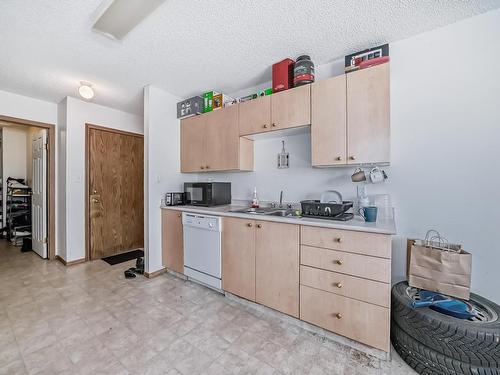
<point>71,263</point>
<point>155,273</point>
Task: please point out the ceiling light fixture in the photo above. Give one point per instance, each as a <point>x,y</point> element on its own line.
<point>116,18</point>
<point>86,91</point>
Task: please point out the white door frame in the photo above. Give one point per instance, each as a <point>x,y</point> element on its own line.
<point>39,193</point>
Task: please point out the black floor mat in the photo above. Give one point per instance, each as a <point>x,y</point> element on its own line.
<point>124,257</point>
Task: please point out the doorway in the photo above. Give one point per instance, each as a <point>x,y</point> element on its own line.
<point>27,188</point>
<point>115,191</point>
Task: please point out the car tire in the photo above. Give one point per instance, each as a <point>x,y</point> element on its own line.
<point>426,361</point>
<point>475,342</point>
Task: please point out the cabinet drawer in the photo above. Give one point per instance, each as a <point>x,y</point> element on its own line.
<point>357,320</point>
<point>349,286</point>
<point>378,245</point>
<point>378,269</point>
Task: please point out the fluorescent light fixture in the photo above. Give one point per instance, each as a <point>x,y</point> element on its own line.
<point>86,91</point>
<point>119,17</point>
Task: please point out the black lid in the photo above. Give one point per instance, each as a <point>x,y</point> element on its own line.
<point>303,57</point>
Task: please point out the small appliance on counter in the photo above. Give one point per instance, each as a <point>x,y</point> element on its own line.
<point>175,199</point>
<point>207,193</point>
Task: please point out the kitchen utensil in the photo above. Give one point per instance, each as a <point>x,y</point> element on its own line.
<point>331,196</point>
<point>369,213</point>
<point>314,208</point>
<point>358,175</point>
<point>283,157</point>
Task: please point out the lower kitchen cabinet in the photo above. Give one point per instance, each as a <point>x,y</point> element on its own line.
<point>277,266</point>
<point>172,240</point>
<point>238,257</point>
<point>348,317</point>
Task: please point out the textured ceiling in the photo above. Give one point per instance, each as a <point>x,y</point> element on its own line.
<point>186,47</point>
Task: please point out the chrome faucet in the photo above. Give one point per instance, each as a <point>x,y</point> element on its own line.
<point>281,199</point>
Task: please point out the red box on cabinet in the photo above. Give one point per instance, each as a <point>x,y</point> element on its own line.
<point>283,75</point>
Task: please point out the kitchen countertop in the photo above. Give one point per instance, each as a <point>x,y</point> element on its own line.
<point>356,224</point>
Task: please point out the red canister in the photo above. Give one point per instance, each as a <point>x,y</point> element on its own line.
<point>283,75</point>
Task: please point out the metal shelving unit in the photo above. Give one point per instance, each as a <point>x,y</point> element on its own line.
<point>18,207</point>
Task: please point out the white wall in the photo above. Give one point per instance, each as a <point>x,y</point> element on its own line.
<point>445,146</point>
<point>27,108</point>
<point>72,135</point>
<point>14,158</point>
<point>162,165</point>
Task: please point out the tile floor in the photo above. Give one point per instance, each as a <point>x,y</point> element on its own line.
<point>88,319</point>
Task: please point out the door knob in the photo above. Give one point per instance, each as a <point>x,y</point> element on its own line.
<point>94,191</point>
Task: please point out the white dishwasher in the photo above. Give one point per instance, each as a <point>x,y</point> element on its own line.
<point>202,248</point>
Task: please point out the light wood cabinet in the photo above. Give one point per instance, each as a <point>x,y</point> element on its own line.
<point>193,144</point>
<point>211,142</point>
<point>255,116</point>
<point>238,257</point>
<point>260,262</point>
<point>357,320</point>
<point>291,108</point>
<point>368,115</point>
<point>172,240</point>
<point>277,266</point>
<point>328,122</point>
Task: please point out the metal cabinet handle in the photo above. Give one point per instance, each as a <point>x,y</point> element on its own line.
<point>179,215</point>
<point>273,125</point>
<point>338,158</point>
<point>353,157</point>
<point>202,167</point>
<point>265,126</point>
<point>207,167</point>
<point>338,239</point>
<point>259,225</point>
<point>249,225</point>
<point>338,285</point>
<point>338,261</point>
<point>338,316</point>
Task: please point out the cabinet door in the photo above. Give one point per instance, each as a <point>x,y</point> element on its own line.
<point>238,257</point>
<point>291,108</point>
<point>193,144</point>
<point>255,115</point>
<point>222,142</point>
<point>172,241</point>
<point>277,266</point>
<point>368,115</point>
<point>328,122</point>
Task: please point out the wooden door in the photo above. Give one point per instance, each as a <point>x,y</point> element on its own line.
<point>116,192</point>
<point>238,257</point>
<point>255,116</point>
<point>291,108</point>
<point>277,266</point>
<point>222,140</point>
<point>193,144</point>
<point>172,240</point>
<point>368,115</point>
<point>328,122</point>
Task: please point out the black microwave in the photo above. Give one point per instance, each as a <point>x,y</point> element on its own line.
<point>207,193</point>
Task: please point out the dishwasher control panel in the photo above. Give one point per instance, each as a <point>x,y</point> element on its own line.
<point>201,221</point>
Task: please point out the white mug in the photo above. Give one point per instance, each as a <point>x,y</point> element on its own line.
<point>377,175</point>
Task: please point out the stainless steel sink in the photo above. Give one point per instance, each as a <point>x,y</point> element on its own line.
<point>268,211</point>
<point>282,213</point>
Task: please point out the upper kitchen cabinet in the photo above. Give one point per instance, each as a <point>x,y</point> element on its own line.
<point>211,142</point>
<point>368,115</point>
<point>255,116</point>
<point>193,144</point>
<point>291,108</point>
<point>328,122</point>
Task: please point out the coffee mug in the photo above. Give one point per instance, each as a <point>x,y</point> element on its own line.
<point>376,175</point>
<point>369,213</point>
<point>358,175</point>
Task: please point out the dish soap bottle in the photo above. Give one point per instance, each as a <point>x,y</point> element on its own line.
<point>255,200</point>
